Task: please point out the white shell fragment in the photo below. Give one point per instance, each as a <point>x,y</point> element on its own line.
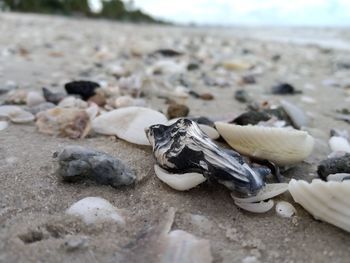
<point>73,102</point>
<point>3,125</point>
<point>128,123</point>
<point>280,145</point>
<point>339,144</point>
<point>260,207</point>
<point>269,191</point>
<point>95,209</point>
<point>181,246</point>
<point>327,201</point>
<point>297,115</point>
<point>338,177</point>
<point>16,114</point>
<point>285,209</point>
<point>180,182</point>
<point>209,131</point>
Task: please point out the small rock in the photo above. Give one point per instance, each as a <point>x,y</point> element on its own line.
<point>206,96</point>
<point>242,96</point>
<point>167,52</point>
<point>192,66</point>
<point>79,163</point>
<point>248,79</point>
<point>85,89</point>
<point>334,166</point>
<point>98,99</point>
<point>73,102</point>
<point>52,97</point>
<point>17,97</point>
<point>9,85</point>
<point>177,110</point>
<point>284,89</point>
<point>94,210</point>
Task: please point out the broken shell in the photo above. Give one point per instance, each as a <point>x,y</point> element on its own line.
<point>17,97</point>
<point>339,177</point>
<point>285,209</point>
<point>66,122</point>
<point>127,101</point>
<point>296,114</point>
<point>34,98</point>
<point>128,123</point>
<point>79,163</point>
<point>181,246</point>
<point>3,125</point>
<point>327,201</point>
<point>73,102</point>
<point>261,207</point>
<point>183,147</point>
<point>95,209</point>
<point>180,182</point>
<point>92,111</point>
<point>339,144</point>
<point>16,114</point>
<point>279,145</point>
<point>269,191</point>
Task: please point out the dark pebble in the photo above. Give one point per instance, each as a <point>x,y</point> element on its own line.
<point>333,166</point>
<point>85,89</point>
<point>284,89</point>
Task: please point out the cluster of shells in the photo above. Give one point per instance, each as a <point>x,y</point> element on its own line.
<point>189,151</point>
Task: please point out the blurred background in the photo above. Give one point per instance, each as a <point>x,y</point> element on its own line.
<point>198,12</point>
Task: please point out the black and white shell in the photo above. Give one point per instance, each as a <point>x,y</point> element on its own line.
<point>182,147</point>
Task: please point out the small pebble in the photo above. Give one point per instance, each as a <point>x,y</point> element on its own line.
<point>78,163</point>
<point>85,89</point>
<point>206,96</point>
<point>284,89</point>
<point>285,209</point>
<point>177,110</point>
<point>242,96</point>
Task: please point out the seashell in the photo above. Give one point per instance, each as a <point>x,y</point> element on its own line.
<point>297,115</point>
<point>269,191</point>
<point>79,163</point>
<point>167,66</point>
<point>159,245</point>
<point>326,201</point>
<point>41,107</point>
<point>279,145</point>
<point>180,182</point>
<point>34,98</point>
<point>339,177</point>
<point>208,130</point>
<point>128,123</point>
<point>93,210</point>
<point>236,65</point>
<point>339,144</point>
<point>182,147</point>
<point>285,209</point>
<point>73,102</point>
<point>65,122</point>
<point>3,125</point>
<point>127,101</point>
<point>333,166</point>
<point>16,114</point>
<point>17,97</point>
<point>181,246</point>
<point>261,207</point>
<point>85,89</point>
<point>92,111</point>
<point>52,97</point>
<point>308,100</point>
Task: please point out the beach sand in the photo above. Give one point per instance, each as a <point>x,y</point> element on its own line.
<point>38,51</point>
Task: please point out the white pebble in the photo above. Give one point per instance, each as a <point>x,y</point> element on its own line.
<point>34,98</point>
<point>95,209</point>
<point>339,144</point>
<point>285,209</point>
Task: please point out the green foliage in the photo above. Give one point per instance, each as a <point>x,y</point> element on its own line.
<point>112,9</point>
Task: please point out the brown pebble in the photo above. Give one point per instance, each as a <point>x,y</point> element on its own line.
<point>206,96</point>
<point>99,99</point>
<point>177,110</point>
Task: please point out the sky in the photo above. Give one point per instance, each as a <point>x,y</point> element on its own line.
<point>250,12</point>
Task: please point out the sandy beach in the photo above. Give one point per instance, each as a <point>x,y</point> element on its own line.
<point>44,51</point>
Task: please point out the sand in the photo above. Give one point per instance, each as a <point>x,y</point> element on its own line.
<point>55,50</point>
